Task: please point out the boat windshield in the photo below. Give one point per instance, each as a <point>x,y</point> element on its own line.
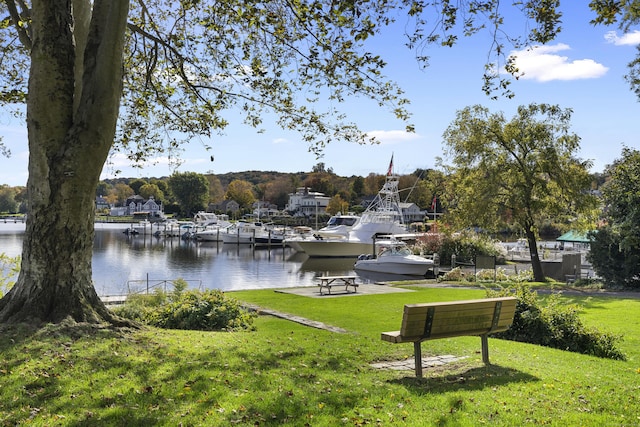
<point>399,249</point>
<point>341,220</point>
<point>404,251</point>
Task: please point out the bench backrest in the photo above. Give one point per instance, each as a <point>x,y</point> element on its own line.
<point>449,319</point>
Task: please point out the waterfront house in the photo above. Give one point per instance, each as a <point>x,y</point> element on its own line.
<point>101,204</point>
<point>230,207</point>
<point>138,206</point>
<point>305,202</point>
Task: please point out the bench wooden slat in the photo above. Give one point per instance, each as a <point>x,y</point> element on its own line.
<point>417,326</point>
<point>458,306</point>
<point>396,338</point>
<point>459,317</point>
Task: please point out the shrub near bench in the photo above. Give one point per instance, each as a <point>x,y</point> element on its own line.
<point>430,321</point>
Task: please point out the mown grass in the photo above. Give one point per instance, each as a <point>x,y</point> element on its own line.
<point>286,373</point>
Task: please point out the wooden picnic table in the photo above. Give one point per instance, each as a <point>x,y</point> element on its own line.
<point>329,282</point>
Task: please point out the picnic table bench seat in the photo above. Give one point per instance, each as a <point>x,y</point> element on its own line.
<point>430,321</point>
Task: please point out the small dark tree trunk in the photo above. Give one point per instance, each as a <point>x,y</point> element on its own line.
<point>536,265</point>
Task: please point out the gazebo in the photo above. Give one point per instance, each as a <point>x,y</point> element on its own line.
<point>580,240</point>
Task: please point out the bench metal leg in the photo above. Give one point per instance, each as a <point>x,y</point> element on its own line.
<point>485,348</point>
<point>417,355</point>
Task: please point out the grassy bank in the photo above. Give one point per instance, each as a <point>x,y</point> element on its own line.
<point>286,373</point>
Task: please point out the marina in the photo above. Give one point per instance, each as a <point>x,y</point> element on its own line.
<point>121,261</point>
<point>125,263</point>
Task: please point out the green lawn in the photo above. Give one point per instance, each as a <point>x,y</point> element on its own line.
<point>286,373</point>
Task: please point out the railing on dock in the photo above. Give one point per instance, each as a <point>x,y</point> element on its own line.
<point>146,286</point>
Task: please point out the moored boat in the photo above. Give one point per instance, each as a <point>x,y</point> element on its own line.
<point>210,226</point>
<point>173,228</point>
<point>383,217</point>
<point>394,257</point>
<point>209,234</point>
<point>338,227</point>
<point>252,233</point>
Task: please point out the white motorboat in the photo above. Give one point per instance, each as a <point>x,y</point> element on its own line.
<point>143,226</point>
<point>208,219</point>
<point>337,227</point>
<point>252,233</point>
<point>140,227</point>
<point>383,217</point>
<point>209,234</point>
<point>173,228</point>
<point>394,257</point>
<point>209,226</point>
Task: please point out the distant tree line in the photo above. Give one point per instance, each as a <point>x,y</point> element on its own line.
<point>419,187</point>
<point>272,187</point>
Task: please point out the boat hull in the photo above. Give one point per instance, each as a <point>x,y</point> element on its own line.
<point>335,249</point>
<point>294,244</point>
<point>238,239</point>
<point>269,241</point>
<point>209,235</point>
<point>402,268</point>
<point>251,239</point>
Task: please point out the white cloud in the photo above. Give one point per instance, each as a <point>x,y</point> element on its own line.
<point>543,64</point>
<point>627,39</point>
<point>119,160</point>
<point>280,141</point>
<point>392,136</point>
<point>197,161</point>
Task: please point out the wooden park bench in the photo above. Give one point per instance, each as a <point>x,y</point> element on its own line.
<point>328,282</point>
<point>422,322</point>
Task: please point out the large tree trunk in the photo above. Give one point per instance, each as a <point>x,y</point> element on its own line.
<point>71,126</point>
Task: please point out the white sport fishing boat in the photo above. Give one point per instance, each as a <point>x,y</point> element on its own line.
<point>383,217</point>
<point>337,227</point>
<point>394,257</point>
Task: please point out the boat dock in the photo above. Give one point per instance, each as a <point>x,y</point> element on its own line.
<point>113,299</point>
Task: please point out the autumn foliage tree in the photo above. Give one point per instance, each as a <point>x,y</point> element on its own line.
<point>337,205</point>
<point>241,192</point>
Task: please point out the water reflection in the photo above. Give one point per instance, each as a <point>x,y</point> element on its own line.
<point>120,258</point>
<point>336,266</point>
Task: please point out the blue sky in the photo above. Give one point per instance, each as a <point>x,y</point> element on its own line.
<point>582,70</point>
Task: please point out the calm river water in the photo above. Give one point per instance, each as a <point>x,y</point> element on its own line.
<point>121,262</point>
